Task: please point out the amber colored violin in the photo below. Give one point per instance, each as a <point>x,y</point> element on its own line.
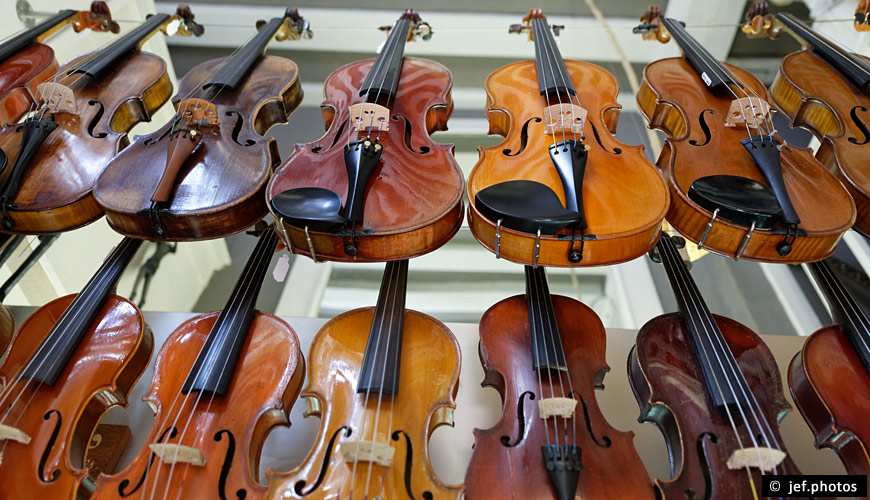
<point>375,187</point>
<point>25,62</point>
<point>203,174</point>
<point>221,382</point>
<point>826,89</point>
<point>545,356</point>
<point>736,187</point>
<point>73,359</point>
<point>51,158</point>
<point>379,399</point>
<point>712,387</point>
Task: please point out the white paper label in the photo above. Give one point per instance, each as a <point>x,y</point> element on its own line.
<point>281,268</point>
<point>706,79</point>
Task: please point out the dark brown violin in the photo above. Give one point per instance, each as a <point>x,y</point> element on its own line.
<point>7,329</point>
<point>713,389</point>
<point>545,356</point>
<point>375,187</point>
<point>51,158</point>
<point>203,175</point>
<point>73,359</point>
<point>736,187</point>
<point>25,62</point>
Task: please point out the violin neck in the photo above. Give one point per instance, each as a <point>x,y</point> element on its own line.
<point>714,75</point>
<point>213,369</point>
<point>20,41</point>
<point>856,69</point>
<point>544,333</point>
<point>380,367</point>
<point>383,78</point>
<point>845,309</point>
<point>57,348</point>
<point>553,77</point>
<point>235,69</point>
<point>110,57</point>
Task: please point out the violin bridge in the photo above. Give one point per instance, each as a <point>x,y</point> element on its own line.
<point>556,407</point>
<point>9,433</point>
<point>749,111</point>
<point>177,454</point>
<point>198,110</point>
<point>369,116</point>
<point>560,118</point>
<point>367,451</point>
<point>57,97</point>
<point>766,459</point>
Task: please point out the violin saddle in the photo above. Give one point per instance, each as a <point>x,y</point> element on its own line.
<point>316,208</point>
<point>738,199</point>
<point>526,206</point>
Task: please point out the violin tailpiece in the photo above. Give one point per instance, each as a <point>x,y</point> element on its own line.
<point>766,459</point>
<point>182,144</point>
<point>556,407</point>
<point>57,97</point>
<point>369,116</point>
<point>560,118</point>
<point>367,451</point>
<point>747,111</point>
<point>170,453</point>
<point>9,433</point>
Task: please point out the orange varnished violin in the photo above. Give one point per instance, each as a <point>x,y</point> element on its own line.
<point>51,158</point>
<point>375,187</point>
<point>221,382</point>
<point>713,388</point>
<point>25,62</point>
<point>379,399</point>
<point>560,190</point>
<point>736,187</point>
<point>545,356</point>
<point>203,174</point>
<point>73,359</point>
<point>826,89</point>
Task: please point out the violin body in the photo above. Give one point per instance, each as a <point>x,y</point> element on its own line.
<point>229,431</point>
<point>507,461</point>
<point>835,411</point>
<point>814,95</point>
<point>424,402</point>
<point>55,193</point>
<point>19,77</point>
<point>7,329</point>
<point>667,383</point>
<point>413,200</point>
<point>60,419</point>
<point>624,196</point>
<point>673,98</point>
<point>221,187</point>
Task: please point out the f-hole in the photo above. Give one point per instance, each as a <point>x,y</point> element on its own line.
<point>96,120</point>
<point>521,421</point>
<point>861,126</point>
<point>241,494</point>
<point>154,140</point>
<point>615,151</point>
<point>300,485</point>
<point>409,464</point>
<point>338,135</point>
<point>47,451</point>
<point>123,486</point>
<point>705,468</point>
<point>605,441</point>
<point>704,127</point>
<point>409,132</point>
<point>524,137</point>
<point>237,128</point>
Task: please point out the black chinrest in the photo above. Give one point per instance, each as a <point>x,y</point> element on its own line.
<point>738,199</point>
<point>316,208</point>
<point>525,206</point>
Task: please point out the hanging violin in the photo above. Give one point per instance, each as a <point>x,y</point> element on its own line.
<point>50,160</point>
<point>379,400</point>
<point>221,382</point>
<point>736,187</point>
<point>375,187</point>
<point>560,190</point>
<point>712,387</point>
<point>203,175</point>
<point>72,359</point>
<point>545,356</point>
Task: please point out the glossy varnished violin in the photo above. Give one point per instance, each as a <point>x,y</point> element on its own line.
<point>203,174</point>
<point>826,89</point>
<point>221,382</point>
<point>375,187</point>
<point>25,62</point>
<point>736,187</point>
<point>830,377</point>
<point>72,360</point>
<point>713,389</point>
<point>52,157</point>
<point>545,356</point>
<point>379,399</point>
<point>560,190</point>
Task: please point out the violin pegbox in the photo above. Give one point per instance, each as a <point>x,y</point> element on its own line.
<point>862,16</point>
<point>182,23</point>
<point>294,27</point>
<point>526,26</point>
<point>418,27</point>
<point>99,18</point>
<point>759,22</point>
<point>651,27</point>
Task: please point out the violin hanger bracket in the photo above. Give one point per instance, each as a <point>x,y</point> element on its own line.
<point>759,22</point>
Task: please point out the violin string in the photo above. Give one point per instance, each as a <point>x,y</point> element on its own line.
<point>544,32</point>
<point>400,46</point>
<point>540,54</point>
<point>396,374</point>
<point>395,48</point>
<point>532,306</point>
<point>566,81</point>
<point>537,294</point>
<point>853,314</point>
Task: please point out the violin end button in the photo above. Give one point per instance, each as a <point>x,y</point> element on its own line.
<point>350,249</point>
<point>575,256</point>
<point>783,249</point>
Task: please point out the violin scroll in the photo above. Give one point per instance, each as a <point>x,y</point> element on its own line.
<point>418,28</point>
<point>97,19</point>
<point>295,27</point>
<point>651,26</point>
<point>862,16</point>
<point>182,23</point>
<point>526,26</point>
<point>759,22</point>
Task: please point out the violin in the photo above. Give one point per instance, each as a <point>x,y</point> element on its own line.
<point>50,159</point>
<point>825,88</point>
<point>375,187</point>
<point>560,190</point>
<point>7,329</point>
<point>25,62</point>
<point>72,360</point>
<point>221,382</point>
<point>203,174</point>
<point>836,411</point>
<point>737,188</point>
<point>712,387</point>
<point>545,356</point>
<point>379,399</point>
